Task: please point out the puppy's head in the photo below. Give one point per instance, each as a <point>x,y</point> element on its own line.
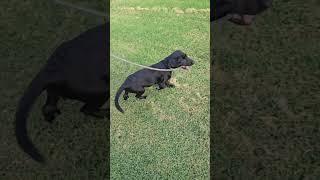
<point>179,59</point>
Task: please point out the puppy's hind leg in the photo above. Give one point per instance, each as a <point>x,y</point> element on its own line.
<point>94,109</point>
<point>50,110</point>
<point>138,90</point>
<point>139,94</point>
<point>126,95</point>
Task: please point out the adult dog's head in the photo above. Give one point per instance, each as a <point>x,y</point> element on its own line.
<point>178,59</point>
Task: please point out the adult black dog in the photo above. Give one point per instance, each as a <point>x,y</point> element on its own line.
<point>136,82</point>
<point>78,69</point>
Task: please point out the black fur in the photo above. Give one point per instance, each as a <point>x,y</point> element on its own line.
<point>136,82</point>
<point>78,69</point>
<point>222,8</point>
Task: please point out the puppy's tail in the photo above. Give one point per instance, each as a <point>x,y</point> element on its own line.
<point>25,104</point>
<point>116,100</point>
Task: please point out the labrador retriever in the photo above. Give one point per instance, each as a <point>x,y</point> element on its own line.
<point>77,69</point>
<point>136,82</point>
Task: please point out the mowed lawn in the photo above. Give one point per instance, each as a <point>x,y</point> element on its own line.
<point>165,136</point>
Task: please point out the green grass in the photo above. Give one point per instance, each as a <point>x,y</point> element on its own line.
<point>74,145</point>
<point>266,105</point>
<point>165,136</point>
<point>163,4</point>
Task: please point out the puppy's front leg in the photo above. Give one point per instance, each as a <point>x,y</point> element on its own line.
<point>161,85</point>
<point>170,85</point>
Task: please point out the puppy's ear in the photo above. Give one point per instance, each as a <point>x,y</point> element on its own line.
<point>174,62</point>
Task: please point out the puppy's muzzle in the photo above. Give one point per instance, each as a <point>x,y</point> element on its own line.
<point>189,63</point>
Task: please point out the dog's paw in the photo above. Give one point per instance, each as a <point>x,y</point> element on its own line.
<point>142,97</point>
<point>171,86</point>
<point>58,112</point>
<point>49,118</point>
<point>50,113</point>
<point>159,88</point>
<point>99,114</point>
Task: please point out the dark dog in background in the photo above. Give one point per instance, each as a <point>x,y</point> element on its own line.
<point>242,11</point>
<point>78,69</point>
<point>136,82</point>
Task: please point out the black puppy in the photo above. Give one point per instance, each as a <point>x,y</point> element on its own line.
<point>136,82</point>
<point>78,69</point>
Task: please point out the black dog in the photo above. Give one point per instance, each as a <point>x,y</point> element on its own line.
<point>78,69</point>
<point>136,82</point>
<point>222,8</point>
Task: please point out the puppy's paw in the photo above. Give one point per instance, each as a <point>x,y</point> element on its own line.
<point>99,114</point>
<point>159,88</point>
<point>58,112</point>
<point>171,86</point>
<point>49,118</point>
<point>50,113</point>
<point>142,97</point>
